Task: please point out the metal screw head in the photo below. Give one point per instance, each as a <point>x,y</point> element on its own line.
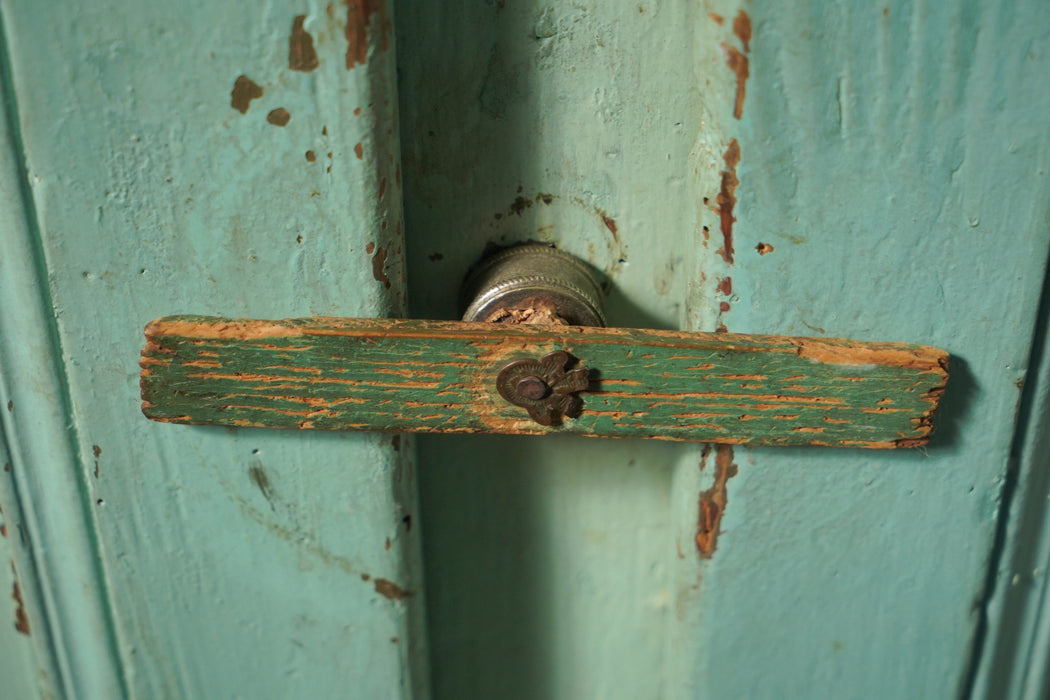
<point>532,388</point>
<point>544,387</point>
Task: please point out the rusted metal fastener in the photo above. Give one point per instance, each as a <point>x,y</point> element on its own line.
<point>533,283</point>
<point>546,388</point>
<point>537,284</point>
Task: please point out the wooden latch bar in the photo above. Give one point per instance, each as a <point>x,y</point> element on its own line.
<point>441,377</point>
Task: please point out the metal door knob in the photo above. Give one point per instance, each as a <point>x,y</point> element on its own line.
<point>533,283</point>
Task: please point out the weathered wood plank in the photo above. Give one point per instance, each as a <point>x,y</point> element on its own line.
<point>440,376</point>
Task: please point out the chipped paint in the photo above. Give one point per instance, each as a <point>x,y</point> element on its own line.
<point>519,205</point>
<point>279,117</point>
<point>390,590</point>
<point>244,91</point>
<point>714,500</point>
<point>868,355</point>
<point>367,23</point>
<point>726,199</point>
<point>742,29</point>
<point>764,248</point>
<point>379,267</point>
<point>301,53</point>
<point>21,617</point>
<point>738,63</point>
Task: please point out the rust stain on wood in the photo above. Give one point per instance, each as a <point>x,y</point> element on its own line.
<point>738,63</point>
<point>311,156</point>
<point>301,53</point>
<point>726,199</point>
<point>713,501</point>
<point>279,117</point>
<point>244,91</point>
<point>367,22</point>
<point>378,265</point>
<point>716,18</point>
<point>742,29</point>
<point>359,150</point>
<point>390,590</point>
<point>610,224</point>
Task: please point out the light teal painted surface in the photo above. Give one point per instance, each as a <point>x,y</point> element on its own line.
<point>552,567</point>
<point>905,151</point>
<point>1013,655</point>
<point>894,157</point>
<point>42,491</point>
<point>229,564</point>
<point>26,661</point>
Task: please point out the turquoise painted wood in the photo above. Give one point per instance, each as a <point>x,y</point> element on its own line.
<point>813,168</point>
<point>887,181</point>
<point>1011,661</point>
<point>140,174</point>
<point>440,376</point>
<point>26,661</point>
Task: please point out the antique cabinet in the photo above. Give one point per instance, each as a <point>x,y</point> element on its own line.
<point>838,169</point>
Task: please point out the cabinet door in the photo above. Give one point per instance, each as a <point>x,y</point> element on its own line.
<point>234,158</point>
<point>824,169</point>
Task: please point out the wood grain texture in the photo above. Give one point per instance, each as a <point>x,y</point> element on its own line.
<point>440,376</point>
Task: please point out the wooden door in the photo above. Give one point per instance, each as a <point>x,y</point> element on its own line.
<point>823,169</point>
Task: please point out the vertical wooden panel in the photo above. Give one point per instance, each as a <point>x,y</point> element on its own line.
<point>828,169</point>
<point>27,660</point>
<point>895,159</point>
<point>552,565</point>
<point>1010,656</point>
<point>238,563</point>
<point>60,600</point>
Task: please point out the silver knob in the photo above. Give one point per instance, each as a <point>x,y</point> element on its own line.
<point>533,283</point>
